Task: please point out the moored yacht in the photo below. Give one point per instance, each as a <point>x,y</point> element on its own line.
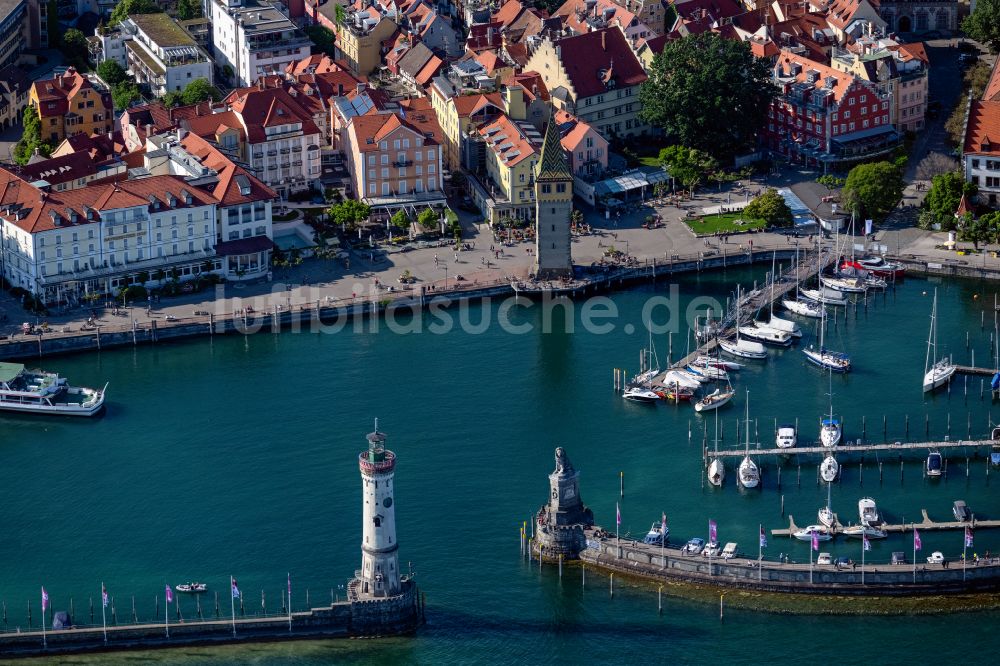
<point>41,392</point>
<point>868,512</point>
<point>743,348</point>
<point>934,464</point>
<point>640,393</point>
<point>820,531</point>
<point>857,531</point>
<point>825,297</point>
<point>766,334</point>
<point>803,308</point>
<point>829,468</point>
<point>786,438</point>
<point>830,432</point>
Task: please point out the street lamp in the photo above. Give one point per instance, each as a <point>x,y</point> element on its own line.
<point>446,276</point>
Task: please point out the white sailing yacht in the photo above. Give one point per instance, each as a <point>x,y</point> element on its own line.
<point>749,473</point>
<point>823,357</point>
<point>830,430</point>
<point>826,514</point>
<point>828,469</point>
<point>937,372</point>
<point>716,470</point>
<point>798,306</point>
<point>639,389</point>
<point>742,348</point>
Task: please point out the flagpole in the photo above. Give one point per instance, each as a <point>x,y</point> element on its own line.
<point>618,524</point>
<point>760,553</point>
<point>863,537</point>
<point>104,622</point>
<point>811,547</point>
<point>232,602</point>
<point>289,602</point>
<point>914,552</point>
<point>663,538</point>
<point>965,550</point>
<point>45,643</point>
<point>166,615</point>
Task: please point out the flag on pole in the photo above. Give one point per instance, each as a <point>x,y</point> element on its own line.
<point>45,599</point>
<point>968,537</point>
<point>868,227</point>
<point>763,538</point>
<point>815,540</point>
<point>713,531</point>
<point>618,514</point>
<point>169,593</point>
<point>867,543</point>
<point>236,590</point>
<point>104,595</point>
<point>916,539</point>
<point>289,585</point>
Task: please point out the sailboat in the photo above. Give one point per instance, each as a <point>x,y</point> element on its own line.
<point>823,357</point>
<point>826,514</point>
<point>937,372</point>
<point>749,473</point>
<point>714,400</point>
<point>716,470</point>
<point>639,389</point>
<point>829,468</point>
<point>798,306</point>
<point>742,348</point>
<point>830,430</point>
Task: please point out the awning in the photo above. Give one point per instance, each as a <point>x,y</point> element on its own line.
<point>244,246</point>
<point>630,181</point>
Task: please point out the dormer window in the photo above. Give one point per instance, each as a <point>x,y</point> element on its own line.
<point>154,202</point>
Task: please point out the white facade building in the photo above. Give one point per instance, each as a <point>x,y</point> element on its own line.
<point>254,39</point>
<point>163,55</point>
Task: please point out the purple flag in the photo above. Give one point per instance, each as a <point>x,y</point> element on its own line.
<point>169,593</point>
<point>867,543</point>
<point>104,595</point>
<point>916,539</point>
<point>45,599</point>
<point>618,514</point>
<point>815,540</point>
<point>236,590</point>
<point>289,585</point>
<point>968,537</point>
<point>763,538</point>
<point>713,531</point>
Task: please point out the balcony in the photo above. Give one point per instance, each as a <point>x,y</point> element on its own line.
<point>296,149</point>
<point>272,153</point>
<point>403,164</point>
<point>283,151</point>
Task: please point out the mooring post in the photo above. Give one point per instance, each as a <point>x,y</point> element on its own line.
<point>880,473</point>
<point>659,600</point>
<point>798,481</point>
<point>861,469</point>
<point>883,428</point>
<point>782,504</point>
<point>583,580</point>
<point>900,469</point>
<point>560,566</point>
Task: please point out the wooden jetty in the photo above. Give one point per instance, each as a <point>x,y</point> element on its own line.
<point>897,447</point>
<point>925,524</point>
<point>973,370</point>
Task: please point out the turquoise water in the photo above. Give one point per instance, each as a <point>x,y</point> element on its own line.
<point>237,456</point>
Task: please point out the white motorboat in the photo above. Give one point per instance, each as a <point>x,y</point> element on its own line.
<point>829,468</point>
<point>678,378</point>
<point>825,297</point>
<point>657,535</point>
<point>857,531</point>
<point>640,393</point>
<point>721,364</point>
<point>806,534</point>
<point>873,282</point>
<point>41,392</point>
<point>868,512</point>
<point>830,432</point>
<point>748,472</point>
<point>714,400</point>
<point>786,437</point>
<point>803,308</point>
<point>934,464</point>
<point>743,348</point>
<point>937,372</point>
<point>767,335</point>
<point>709,373</point>
<point>847,285</point>
<point>191,588</point>
<point>786,325</point>
<point>716,472</point>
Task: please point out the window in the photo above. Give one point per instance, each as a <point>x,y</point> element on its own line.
<point>385,172</point>
<point>546,188</point>
<point>561,187</point>
<point>385,159</point>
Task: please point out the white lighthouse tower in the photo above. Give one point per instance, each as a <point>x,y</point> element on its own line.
<point>379,550</point>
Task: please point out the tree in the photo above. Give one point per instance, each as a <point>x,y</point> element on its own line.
<point>126,7</point>
<point>112,73</point>
<point>188,9</point>
<point>322,38</point>
<point>983,24</point>
<point>427,218</point>
<point>31,138</point>
<point>830,181</point>
<point>770,207</point>
<point>946,193</point>
<point>873,189</point>
<point>74,47</point>
<point>349,213</point>
<point>992,219</point>
<point>934,164</point>
<point>123,94</point>
<point>688,165</point>
<point>708,93</point>
<point>199,90</point>
<point>975,231</point>
<point>400,220</point>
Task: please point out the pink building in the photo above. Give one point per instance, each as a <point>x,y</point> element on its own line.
<point>395,159</point>
<point>586,150</point>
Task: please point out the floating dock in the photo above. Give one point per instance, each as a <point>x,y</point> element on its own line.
<point>890,447</point>
<point>925,524</point>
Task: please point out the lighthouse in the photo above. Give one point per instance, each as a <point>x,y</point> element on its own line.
<point>379,550</point>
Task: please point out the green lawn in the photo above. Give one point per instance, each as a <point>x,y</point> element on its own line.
<point>725,223</point>
<point>650,161</point>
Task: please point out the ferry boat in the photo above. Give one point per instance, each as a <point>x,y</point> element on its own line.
<point>41,392</point>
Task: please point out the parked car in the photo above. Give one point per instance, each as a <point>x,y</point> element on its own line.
<point>693,547</point>
<point>898,557</point>
<point>711,549</point>
<point>937,557</point>
<point>824,558</point>
<point>842,562</point>
<point>961,511</point>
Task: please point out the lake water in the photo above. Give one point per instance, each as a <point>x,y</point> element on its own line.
<point>238,456</point>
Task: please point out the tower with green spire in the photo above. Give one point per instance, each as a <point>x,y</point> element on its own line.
<point>553,206</point>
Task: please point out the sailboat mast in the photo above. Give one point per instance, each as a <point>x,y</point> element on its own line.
<point>930,336</point>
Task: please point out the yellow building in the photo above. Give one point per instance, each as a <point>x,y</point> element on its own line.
<point>511,154</point>
<point>71,103</point>
<point>361,45</point>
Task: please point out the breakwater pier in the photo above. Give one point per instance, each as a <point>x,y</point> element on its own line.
<point>926,524</point>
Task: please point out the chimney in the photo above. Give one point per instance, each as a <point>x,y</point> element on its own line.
<point>149,129</point>
<point>260,84</point>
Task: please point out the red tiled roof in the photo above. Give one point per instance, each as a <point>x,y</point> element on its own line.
<point>466,105</point>
<point>532,83</point>
<point>419,120</point>
<point>992,92</point>
<point>575,13</point>
<point>59,90</point>
<point>843,79</point>
<point>505,138</point>
<point>982,134</point>
<point>585,56</point>
<point>227,190</point>
<point>267,107</point>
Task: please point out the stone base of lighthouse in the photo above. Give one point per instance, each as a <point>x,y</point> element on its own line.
<point>383,616</point>
<point>565,540</point>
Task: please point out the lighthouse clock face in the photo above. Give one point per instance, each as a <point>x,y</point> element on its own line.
<point>387,502</point>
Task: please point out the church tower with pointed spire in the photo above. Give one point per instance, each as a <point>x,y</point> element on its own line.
<point>553,206</point>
